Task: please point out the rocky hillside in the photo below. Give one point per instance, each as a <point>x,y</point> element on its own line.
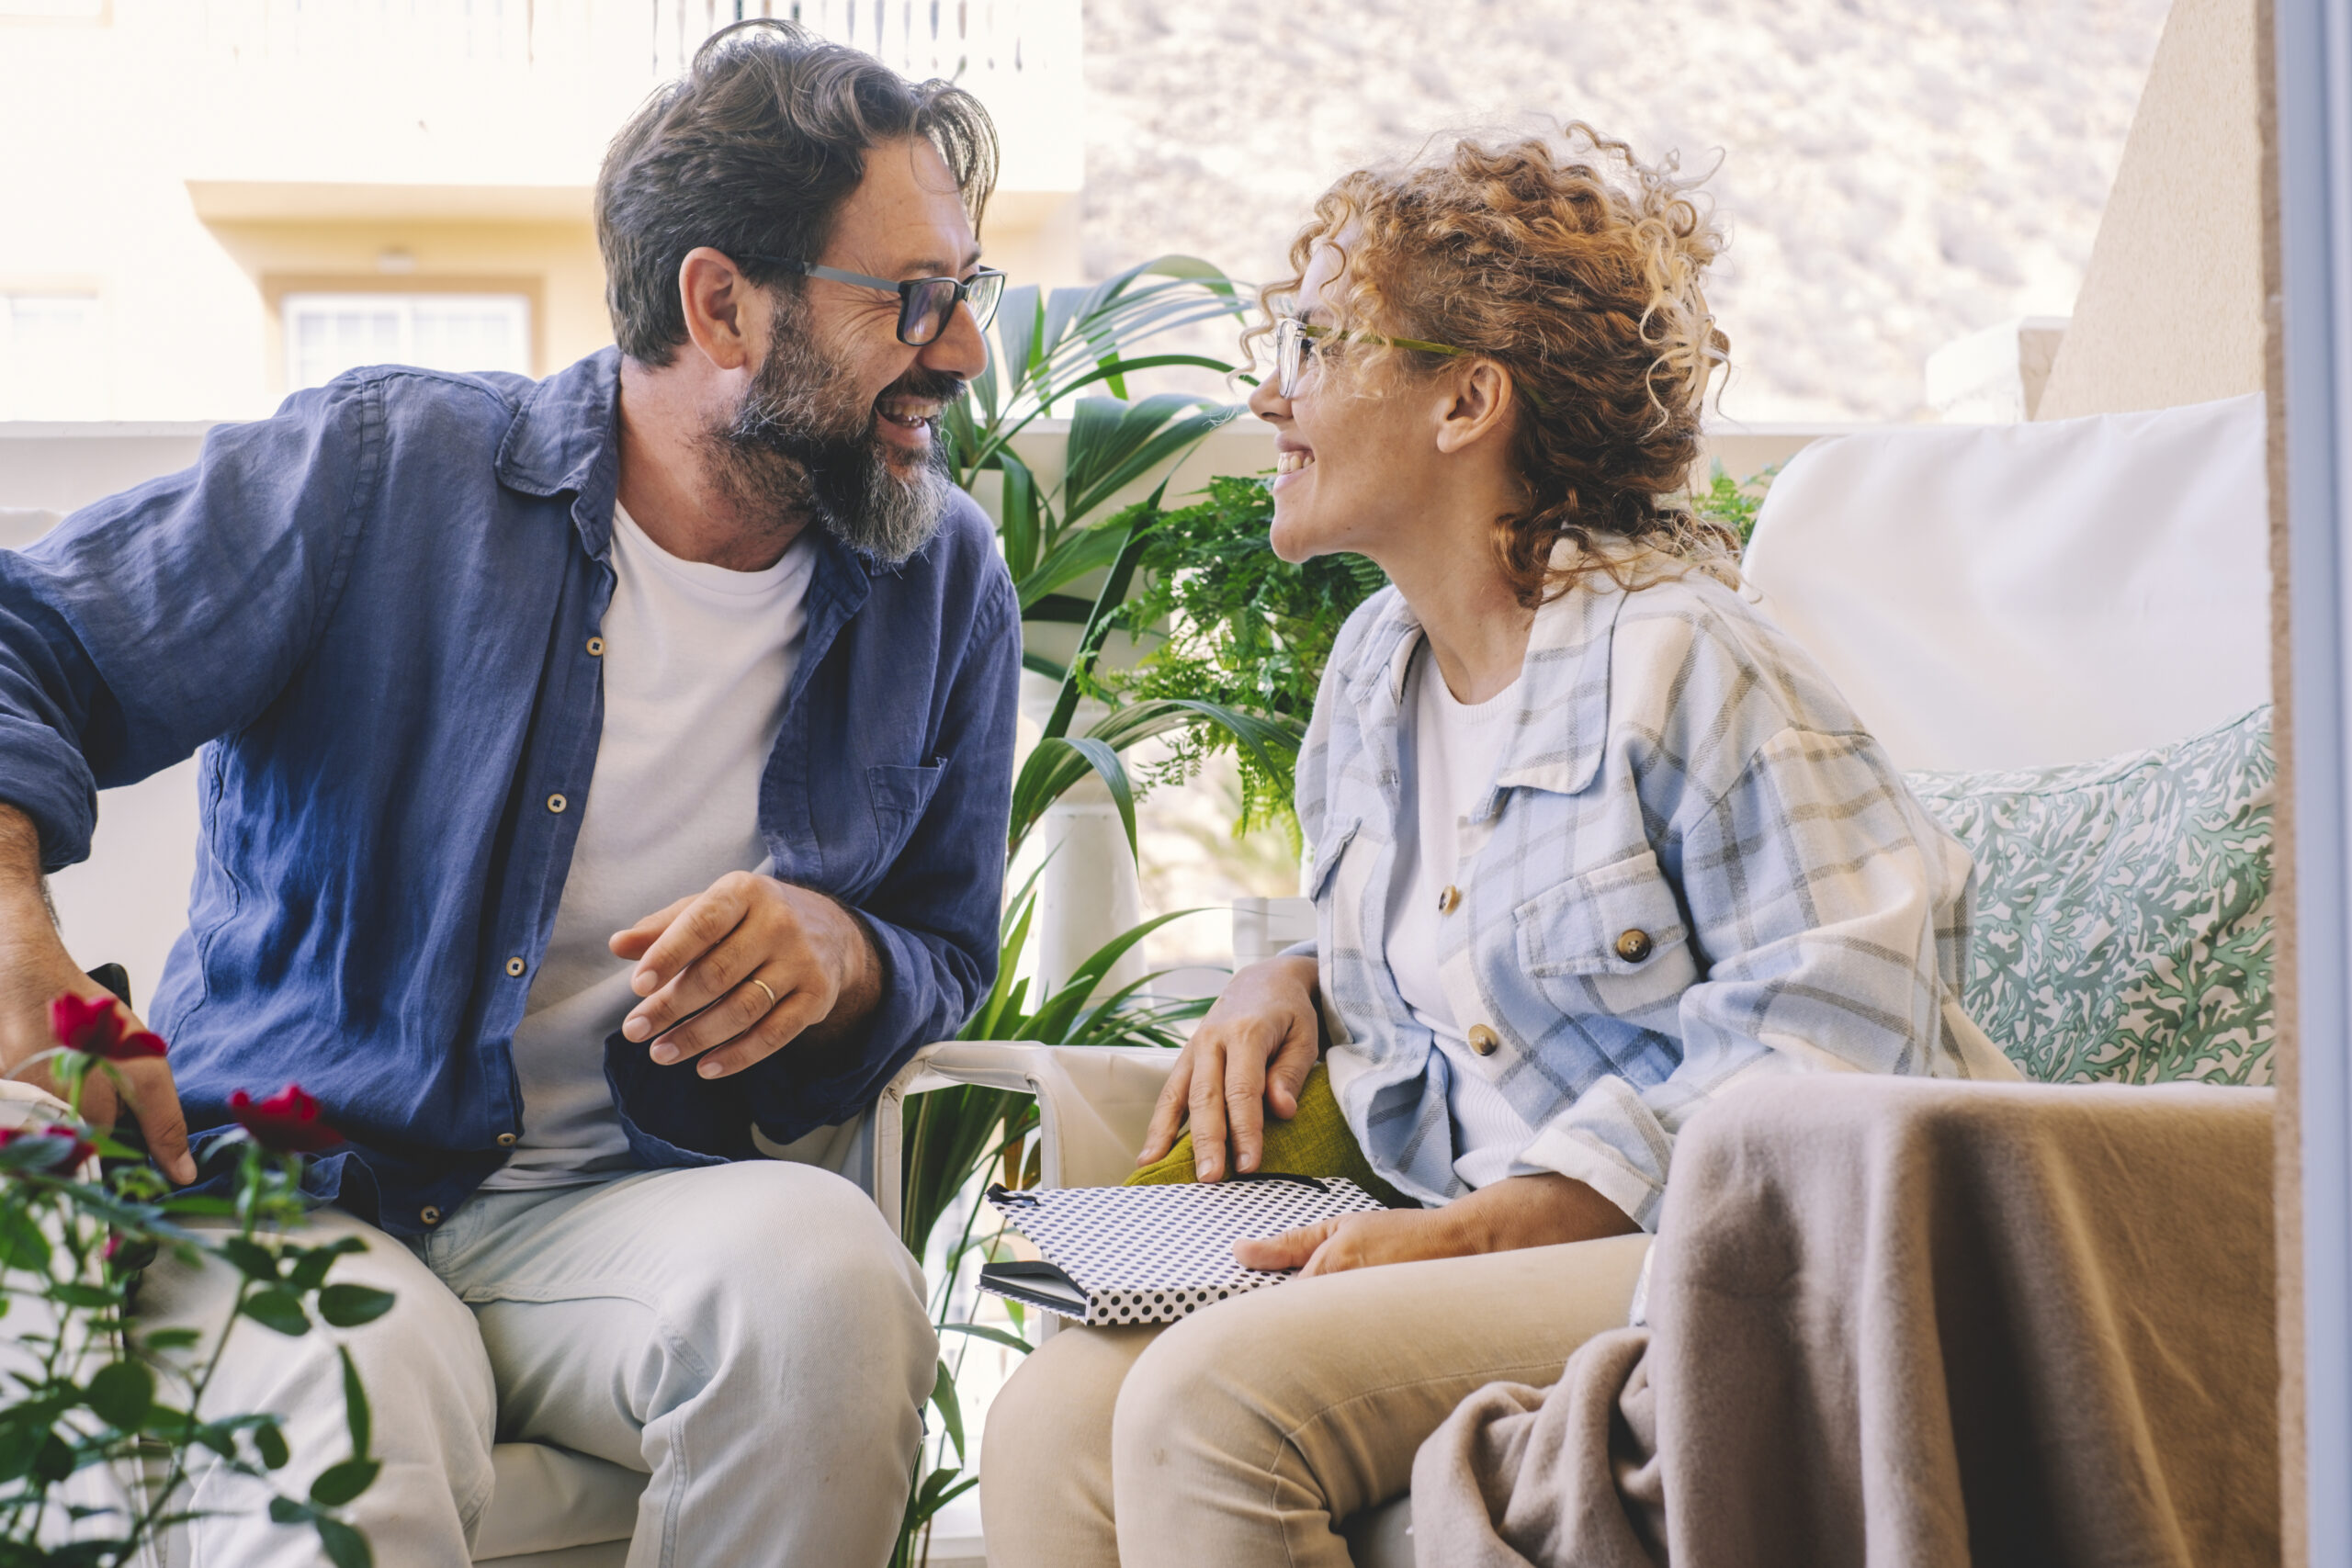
<point>1891,175</point>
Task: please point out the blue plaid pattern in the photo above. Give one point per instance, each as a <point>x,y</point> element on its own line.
<point>1678,769</point>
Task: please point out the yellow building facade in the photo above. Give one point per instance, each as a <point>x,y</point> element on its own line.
<point>206,203</point>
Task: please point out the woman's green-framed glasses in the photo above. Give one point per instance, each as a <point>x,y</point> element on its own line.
<point>925,303</point>
<point>1293,336</point>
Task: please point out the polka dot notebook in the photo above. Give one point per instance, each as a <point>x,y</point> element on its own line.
<point>1129,1255</point>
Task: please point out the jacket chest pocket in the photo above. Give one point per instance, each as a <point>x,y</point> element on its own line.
<point>1611,941</point>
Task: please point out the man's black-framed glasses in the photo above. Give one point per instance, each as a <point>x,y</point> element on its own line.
<point>925,303</point>
<point>1295,338</point>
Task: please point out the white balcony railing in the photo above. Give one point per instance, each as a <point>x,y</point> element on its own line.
<point>503,74</point>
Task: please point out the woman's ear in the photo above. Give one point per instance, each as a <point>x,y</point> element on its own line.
<point>1479,403</point>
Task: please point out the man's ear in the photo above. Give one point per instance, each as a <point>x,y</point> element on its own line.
<point>725,315</point>
<point>1478,402</point>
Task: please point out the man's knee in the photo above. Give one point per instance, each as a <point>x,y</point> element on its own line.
<point>808,1270</point>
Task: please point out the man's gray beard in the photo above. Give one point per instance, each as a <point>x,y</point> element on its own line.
<point>797,447</point>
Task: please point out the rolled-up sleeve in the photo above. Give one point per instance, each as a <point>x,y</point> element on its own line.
<point>149,623</point>
<point>1813,885</point>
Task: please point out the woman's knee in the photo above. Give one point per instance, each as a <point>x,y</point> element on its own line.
<point>1046,1456</point>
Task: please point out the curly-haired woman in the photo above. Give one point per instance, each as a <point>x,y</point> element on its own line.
<point>1592,843</point>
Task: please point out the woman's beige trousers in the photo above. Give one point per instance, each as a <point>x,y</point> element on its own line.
<point>1244,1434</point>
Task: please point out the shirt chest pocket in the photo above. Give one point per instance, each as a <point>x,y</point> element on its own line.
<point>901,794</point>
<point>1612,940</point>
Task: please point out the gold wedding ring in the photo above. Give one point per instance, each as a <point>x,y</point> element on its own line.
<point>763,985</point>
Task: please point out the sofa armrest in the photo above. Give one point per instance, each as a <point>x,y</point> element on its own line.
<point>1093,1102</point>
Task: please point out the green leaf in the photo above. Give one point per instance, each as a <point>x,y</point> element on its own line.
<point>355,1414</point>
<point>252,1259</point>
<point>348,1306</point>
<point>87,1298</point>
<point>270,1443</point>
<point>53,1462</point>
<point>995,1336</point>
<point>278,1308</point>
<point>1022,526</point>
<point>286,1511</point>
<point>951,1409</point>
<point>172,1339</point>
<point>1056,764</point>
<point>1020,318</point>
<point>339,1483</point>
<point>1112,445</point>
<point>121,1394</point>
<point>1077,553</point>
<point>345,1547</point>
<point>21,1244</point>
<point>1051,1023</point>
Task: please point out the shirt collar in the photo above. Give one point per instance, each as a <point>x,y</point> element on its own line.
<point>565,438</point>
<point>1562,729</point>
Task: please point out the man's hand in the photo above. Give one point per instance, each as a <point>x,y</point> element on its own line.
<point>748,966</point>
<point>1250,1055</point>
<point>35,969</point>
<point>1524,1210</point>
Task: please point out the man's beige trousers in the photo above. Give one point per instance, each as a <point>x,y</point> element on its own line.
<point>1246,1434</point>
<point>750,1335</point>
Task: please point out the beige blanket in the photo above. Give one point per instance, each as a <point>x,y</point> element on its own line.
<point>1898,1321</point>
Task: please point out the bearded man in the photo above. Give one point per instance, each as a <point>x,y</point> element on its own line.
<point>607,777</point>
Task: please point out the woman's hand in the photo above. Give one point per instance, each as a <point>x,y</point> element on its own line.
<point>1524,1210</point>
<point>1250,1055</point>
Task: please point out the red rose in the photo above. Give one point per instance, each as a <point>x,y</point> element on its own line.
<point>288,1122</point>
<point>93,1027</point>
<point>72,1148</point>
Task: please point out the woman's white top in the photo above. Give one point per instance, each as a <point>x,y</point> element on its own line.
<point>1449,750</point>
<point>696,662</point>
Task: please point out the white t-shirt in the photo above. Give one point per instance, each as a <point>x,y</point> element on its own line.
<point>1449,752</point>
<point>696,662</point>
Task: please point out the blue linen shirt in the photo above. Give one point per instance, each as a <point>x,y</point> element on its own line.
<point>377,614</point>
<point>1692,865</point>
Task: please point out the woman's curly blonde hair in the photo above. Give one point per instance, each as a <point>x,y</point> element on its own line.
<point>1575,267</point>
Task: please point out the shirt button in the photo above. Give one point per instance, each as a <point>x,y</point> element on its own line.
<point>515,967</point>
<point>1634,946</point>
<point>506,1140</point>
<point>1484,1040</point>
<point>595,647</point>
<point>1449,900</point>
<point>429,1214</point>
<point>555,802</point>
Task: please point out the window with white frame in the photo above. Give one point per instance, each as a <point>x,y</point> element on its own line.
<point>327,335</point>
<point>52,364</point>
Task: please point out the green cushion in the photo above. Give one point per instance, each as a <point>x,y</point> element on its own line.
<point>2123,927</point>
<point>1316,1142</point>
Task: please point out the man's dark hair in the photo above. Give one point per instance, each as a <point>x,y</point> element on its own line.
<point>753,150</point>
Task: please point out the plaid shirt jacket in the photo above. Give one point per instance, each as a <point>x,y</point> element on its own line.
<point>1693,865</point>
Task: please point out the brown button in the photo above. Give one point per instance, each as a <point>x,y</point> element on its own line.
<point>1484,1040</point>
<point>1634,946</point>
<point>555,802</point>
<point>1449,900</point>
<point>506,1140</point>
<point>515,967</point>
<point>429,1214</point>
<point>595,647</point>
